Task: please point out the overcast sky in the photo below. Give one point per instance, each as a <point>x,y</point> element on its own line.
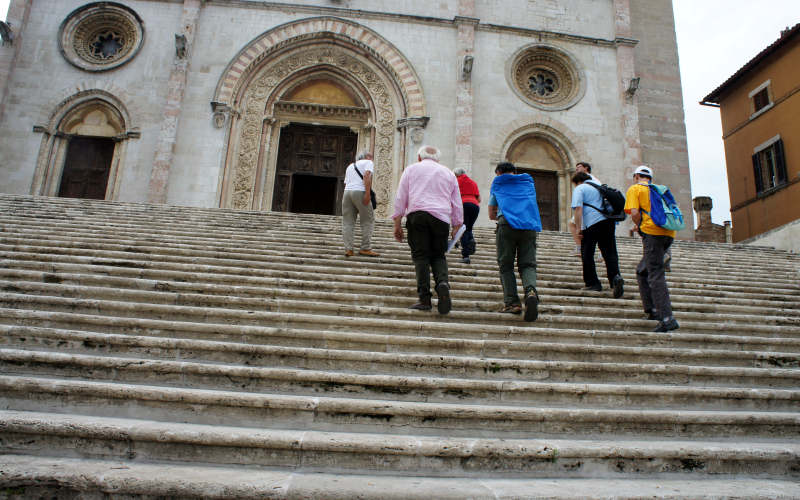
<point>715,38</point>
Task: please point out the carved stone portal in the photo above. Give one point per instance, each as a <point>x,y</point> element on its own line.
<point>252,164</point>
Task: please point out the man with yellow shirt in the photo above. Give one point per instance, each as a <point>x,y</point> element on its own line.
<point>655,242</point>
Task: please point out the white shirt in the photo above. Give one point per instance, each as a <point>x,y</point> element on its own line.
<point>352,182</point>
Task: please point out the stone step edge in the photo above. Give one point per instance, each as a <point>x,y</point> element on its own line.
<point>175,213</point>
<point>572,286</point>
<point>477,354</point>
<point>389,261</point>
<point>345,322</point>
<point>213,294</point>
<point>389,360</point>
<point>256,308</point>
<point>628,249</point>
<point>368,443</point>
<point>432,383</point>
<point>176,281</point>
<point>70,388</point>
<point>163,479</point>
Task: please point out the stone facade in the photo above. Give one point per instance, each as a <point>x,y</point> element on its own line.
<point>197,114</point>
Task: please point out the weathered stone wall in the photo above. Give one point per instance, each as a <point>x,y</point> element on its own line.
<point>661,121</point>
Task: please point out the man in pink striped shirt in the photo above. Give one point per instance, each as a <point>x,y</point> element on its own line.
<point>429,198</point>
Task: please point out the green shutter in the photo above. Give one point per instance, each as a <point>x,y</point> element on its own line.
<point>780,162</point>
<point>757,173</point>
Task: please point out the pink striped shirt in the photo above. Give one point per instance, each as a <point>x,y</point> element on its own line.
<point>432,188</point>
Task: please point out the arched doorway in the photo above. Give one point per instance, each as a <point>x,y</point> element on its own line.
<point>302,100</point>
<point>83,148</point>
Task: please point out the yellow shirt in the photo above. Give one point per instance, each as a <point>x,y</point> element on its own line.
<point>638,196</point>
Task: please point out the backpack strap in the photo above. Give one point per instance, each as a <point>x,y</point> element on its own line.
<point>601,197</point>
<point>358,171</point>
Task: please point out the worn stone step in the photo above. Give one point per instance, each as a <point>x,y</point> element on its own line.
<point>38,476</point>
<point>491,368</point>
<point>400,387</point>
<point>279,411</point>
<point>74,436</point>
<point>216,244</point>
<point>58,297</point>
<point>189,281</point>
<point>305,344</point>
<point>431,337</point>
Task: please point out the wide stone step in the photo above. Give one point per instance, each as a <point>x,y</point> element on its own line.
<point>218,244</point>
<point>323,413</point>
<point>56,297</point>
<point>468,283</point>
<point>115,438</point>
<point>37,476</point>
<point>430,337</point>
<point>400,387</point>
<point>399,363</point>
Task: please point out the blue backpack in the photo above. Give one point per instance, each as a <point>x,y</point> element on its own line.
<point>664,209</point>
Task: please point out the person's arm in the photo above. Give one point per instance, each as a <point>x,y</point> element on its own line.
<point>636,216</point>
<point>579,221</point>
<point>367,186</point>
<point>492,212</point>
<point>398,229</point>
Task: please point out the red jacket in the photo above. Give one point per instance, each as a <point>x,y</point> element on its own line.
<point>469,190</point>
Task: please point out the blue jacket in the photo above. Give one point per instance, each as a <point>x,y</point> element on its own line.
<point>516,198</point>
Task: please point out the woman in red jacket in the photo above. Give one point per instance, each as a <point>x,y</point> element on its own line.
<point>471,199</point>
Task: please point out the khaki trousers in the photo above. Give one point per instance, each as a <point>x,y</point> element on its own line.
<point>353,207</point>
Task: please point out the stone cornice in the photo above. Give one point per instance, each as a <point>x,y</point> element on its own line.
<point>309,109</point>
<point>408,18</point>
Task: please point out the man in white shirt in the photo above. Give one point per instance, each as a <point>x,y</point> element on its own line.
<point>584,167</point>
<point>356,202</point>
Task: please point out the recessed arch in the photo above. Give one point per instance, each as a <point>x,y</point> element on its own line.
<point>90,114</point>
<point>320,51</point>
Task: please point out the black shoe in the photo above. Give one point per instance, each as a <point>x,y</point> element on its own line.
<point>531,305</point>
<point>465,260</point>
<point>651,315</point>
<point>443,292</point>
<point>594,288</point>
<point>422,305</point>
<point>665,326</point>
<point>617,285</point>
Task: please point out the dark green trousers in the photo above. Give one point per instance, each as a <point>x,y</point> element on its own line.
<point>519,243</point>
<point>427,237</point>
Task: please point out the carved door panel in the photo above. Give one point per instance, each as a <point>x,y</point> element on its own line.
<point>86,168</point>
<point>310,168</point>
<point>546,184</point>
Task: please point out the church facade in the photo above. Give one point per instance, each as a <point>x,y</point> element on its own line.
<point>261,105</point>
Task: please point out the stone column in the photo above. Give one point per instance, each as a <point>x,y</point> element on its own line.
<point>170,118</point>
<point>628,81</point>
<point>19,12</point>
<point>465,23</point>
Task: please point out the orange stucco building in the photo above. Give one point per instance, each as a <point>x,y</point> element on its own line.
<point>760,111</point>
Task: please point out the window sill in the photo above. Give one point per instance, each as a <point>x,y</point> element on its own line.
<point>762,111</point>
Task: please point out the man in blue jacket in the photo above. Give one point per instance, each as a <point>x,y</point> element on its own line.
<point>513,205</point>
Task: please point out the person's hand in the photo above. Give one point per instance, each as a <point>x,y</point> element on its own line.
<point>454,231</point>
<point>366,201</point>
<point>398,233</point>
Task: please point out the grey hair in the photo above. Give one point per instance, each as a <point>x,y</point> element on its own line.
<point>363,154</point>
<point>428,152</point>
<point>459,171</point>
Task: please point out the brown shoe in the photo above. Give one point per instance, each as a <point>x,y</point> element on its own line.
<point>368,253</point>
<point>349,253</point>
<point>424,304</point>
<point>512,309</point>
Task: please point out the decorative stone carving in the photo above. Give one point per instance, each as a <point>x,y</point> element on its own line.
<point>256,96</point>
<point>546,77</point>
<point>100,36</point>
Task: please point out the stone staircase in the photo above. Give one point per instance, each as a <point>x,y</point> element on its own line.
<point>153,351</point>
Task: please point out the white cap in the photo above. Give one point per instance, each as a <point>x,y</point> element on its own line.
<point>644,170</point>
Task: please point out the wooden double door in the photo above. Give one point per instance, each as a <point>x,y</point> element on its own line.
<point>86,168</point>
<point>310,170</point>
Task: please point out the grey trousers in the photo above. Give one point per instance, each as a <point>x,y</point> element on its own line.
<point>519,243</point>
<point>651,277</point>
<point>353,207</point>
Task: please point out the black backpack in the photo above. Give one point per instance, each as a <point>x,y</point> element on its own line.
<point>613,202</point>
